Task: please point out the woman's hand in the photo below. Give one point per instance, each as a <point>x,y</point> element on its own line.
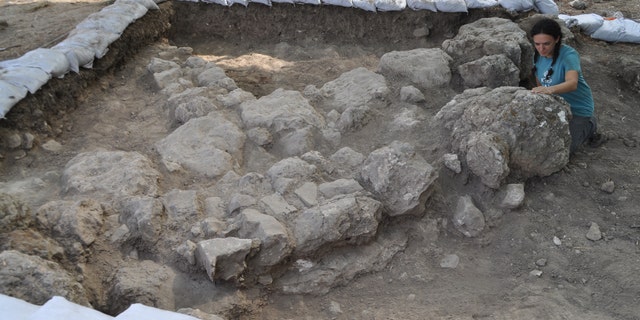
<point>541,89</point>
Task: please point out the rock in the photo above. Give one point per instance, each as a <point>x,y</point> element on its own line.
<point>422,68</point>
<point>14,214</point>
<point>507,131</point>
<point>334,308</point>
<point>467,218</point>
<point>273,236</point>
<point>157,65</point>
<point>214,76</point>
<point>541,262</point>
<point>338,221</point>
<point>75,225</point>
<point>450,261</point>
<point>490,71</point>
<point>110,173</point>
<point>535,273</point>
<point>608,187</point>
<point>308,194</point>
<point>165,78</point>
<point>52,146</point>
<point>143,216</point>
<point>144,282</point>
<point>277,206</point>
<point>181,208</point>
<point>452,162</point>
<point>355,88</point>
<point>487,37</point>
<point>399,178</point>
<point>557,241</point>
<point>594,233</point>
<point>514,196</point>
<point>13,140</point>
<point>340,187</point>
<point>223,258</point>
<point>341,265</point>
<point>194,108</point>
<point>209,146</point>
<point>411,94</point>
<point>36,280</point>
<point>578,5</point>
<point>235,98</point>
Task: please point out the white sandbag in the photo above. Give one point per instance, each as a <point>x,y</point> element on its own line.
<point>517,5</point>
<point>265,2</point>
<point>59,308</point>
<point>141,312</point>
<point>221,2</point>
<point>96,40</point>
<point>17,308</point>
<point>476,4</point>
<point>341,3</point>
<point>390,5</point>
<point>313,2</point>
<point>588,23</point>
<point>9,95</point>
<point>30,78</point>
<point>451,5</point>
<point>618,30</point>
<point>241,2</point>
<point>112,23</point>
<point>51,61</point>
<point>149,4</point>
<point>547,6</point>
<point>422,5</point>
<point>76,55</point>
<point>368,5</point>
<point>132,10</point>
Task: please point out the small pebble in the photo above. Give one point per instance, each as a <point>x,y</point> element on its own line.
<point>535,273</point>
<point>594,233</point>
<point>608,187</point>
<point>556,241</point>
<point>541,262</point>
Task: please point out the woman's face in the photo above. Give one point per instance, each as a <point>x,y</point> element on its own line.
<point>544,44</point>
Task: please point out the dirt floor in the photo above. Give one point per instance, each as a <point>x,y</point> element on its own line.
<point>580,278</point>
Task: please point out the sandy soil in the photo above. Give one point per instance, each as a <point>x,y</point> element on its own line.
<point>580,279</point>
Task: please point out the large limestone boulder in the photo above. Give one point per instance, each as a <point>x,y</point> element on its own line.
<point>488,37</point>
<point>208,146</point>
<point>224,258</point>
<point>110,173</point>
<point>275,242</point>
<point>143,282</point>
<point>507,131</point>
<point>354,89</point>
<point>421,68</point>
<point>36,280</point>
<point>75,225</point>
<point>399,178</point>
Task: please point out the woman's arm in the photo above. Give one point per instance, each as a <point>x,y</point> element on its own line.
<point>570,84</point>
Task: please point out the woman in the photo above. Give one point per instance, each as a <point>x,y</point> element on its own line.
<point>557,71</point>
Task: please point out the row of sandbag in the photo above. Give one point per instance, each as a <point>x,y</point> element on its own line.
<point>59,308</point>
<point>611,29</point>
<point>89,40</point>
<point>543,6</point>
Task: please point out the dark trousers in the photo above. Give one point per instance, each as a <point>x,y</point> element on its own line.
<point>581,129</point>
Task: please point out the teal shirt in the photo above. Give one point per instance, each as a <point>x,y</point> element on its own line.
<point>581,99</point>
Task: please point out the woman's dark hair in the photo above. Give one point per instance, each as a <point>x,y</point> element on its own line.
<point>549,27</point>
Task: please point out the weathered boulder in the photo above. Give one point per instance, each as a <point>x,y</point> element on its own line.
<point>209,146</point>
<point>143,282</point>
<point>214,76</point>
<point>110,173</point>
<point>75,225</point>
<point>490,71</point>
<point>143,217</point>
<point>288,117</point>
<point>181,208</point>
<point>223,258</point>
<point>275,242</point>
<point>341,265</point>
<point>422,68</point>
<point>399,178</point>
<point>355,88</point>
<point>346,219</point>
<point>488,37</point>
<point>36,280</point>
<point>194,108</point>
<point>507,131</point>
<point>13,213</point>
